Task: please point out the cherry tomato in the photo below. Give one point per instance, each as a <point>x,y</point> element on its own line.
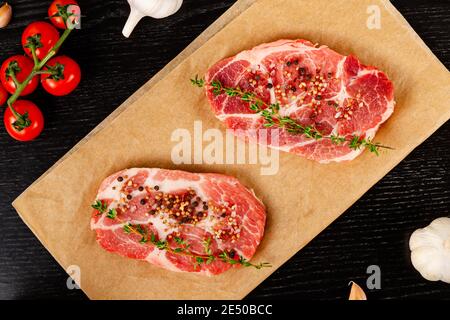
<point>42,35</point>
<point>3,95</point>
<point>66,79</point>
<point>58,9</point>
<point>22,67</point>
<point>31,114</point>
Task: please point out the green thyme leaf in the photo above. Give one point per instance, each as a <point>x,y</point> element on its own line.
<point>207,246</point>
<point>161,245</point>
<point>198,82</point>
<point>199,260</point>
<point>100,206</point>
<point>127,228</point>
<point>143,240</point>
<point>179,241</point>
<point>210,259</point>
<point>141,230</point>
<point>112,214</point>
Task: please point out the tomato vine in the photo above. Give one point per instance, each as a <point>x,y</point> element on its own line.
<point>22,120</point>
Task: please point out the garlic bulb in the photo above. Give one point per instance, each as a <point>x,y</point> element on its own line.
<point>430,250</point>
<point>152,8</point>
<point>5,15</point>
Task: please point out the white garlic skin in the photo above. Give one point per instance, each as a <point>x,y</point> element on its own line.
<point>157,9</point>
<point>430,250</point>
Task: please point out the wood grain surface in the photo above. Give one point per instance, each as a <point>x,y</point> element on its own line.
<point>375,231</point>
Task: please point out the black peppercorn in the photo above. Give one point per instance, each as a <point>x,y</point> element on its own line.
<point>120,179</point>
<point>141,188</point>
<point>156,188</point>
<point>129,197</point>
<point>143,201</point>
<point>185,220</point>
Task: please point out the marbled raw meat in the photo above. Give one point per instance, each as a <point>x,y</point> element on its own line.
<point>151,199</point>
<point>315,86</point>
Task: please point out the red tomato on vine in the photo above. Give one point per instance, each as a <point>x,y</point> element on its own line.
<point>19,75</point>
<point>3,95</point>
<point>40,35</point>
<point>60,12</point>
<point>28,125</point>
<point>19,67</point>
<point>66,77</point>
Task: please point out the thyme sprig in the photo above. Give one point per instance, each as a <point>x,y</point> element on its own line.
<point>183,249</point>
<point>272,117</point>
<point>198,82</point>
<point>100,206</point>
<point>225,257</point>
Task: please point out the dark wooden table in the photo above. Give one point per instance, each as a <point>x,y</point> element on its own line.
<point>375,231</point>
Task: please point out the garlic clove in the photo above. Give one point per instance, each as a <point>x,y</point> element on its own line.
<point>133,20</point>
<point>356,293</point>
<point>5,15</point>
<point>157,9</point>
<point>426,260</point>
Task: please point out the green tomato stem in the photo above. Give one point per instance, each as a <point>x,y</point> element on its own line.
<point>35,58</point>
<point>45,72</point>
<point>16,82</point>
<point>19,89</point>
<point>54,50</point>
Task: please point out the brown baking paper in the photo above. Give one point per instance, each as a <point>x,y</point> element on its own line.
<point>302,199</point>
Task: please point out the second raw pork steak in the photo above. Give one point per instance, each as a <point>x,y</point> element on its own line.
<point>180,221</point>
<point>315,86</point>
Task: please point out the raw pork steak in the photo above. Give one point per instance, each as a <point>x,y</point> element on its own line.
<point>188,215</point>
<point>315,86</point>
